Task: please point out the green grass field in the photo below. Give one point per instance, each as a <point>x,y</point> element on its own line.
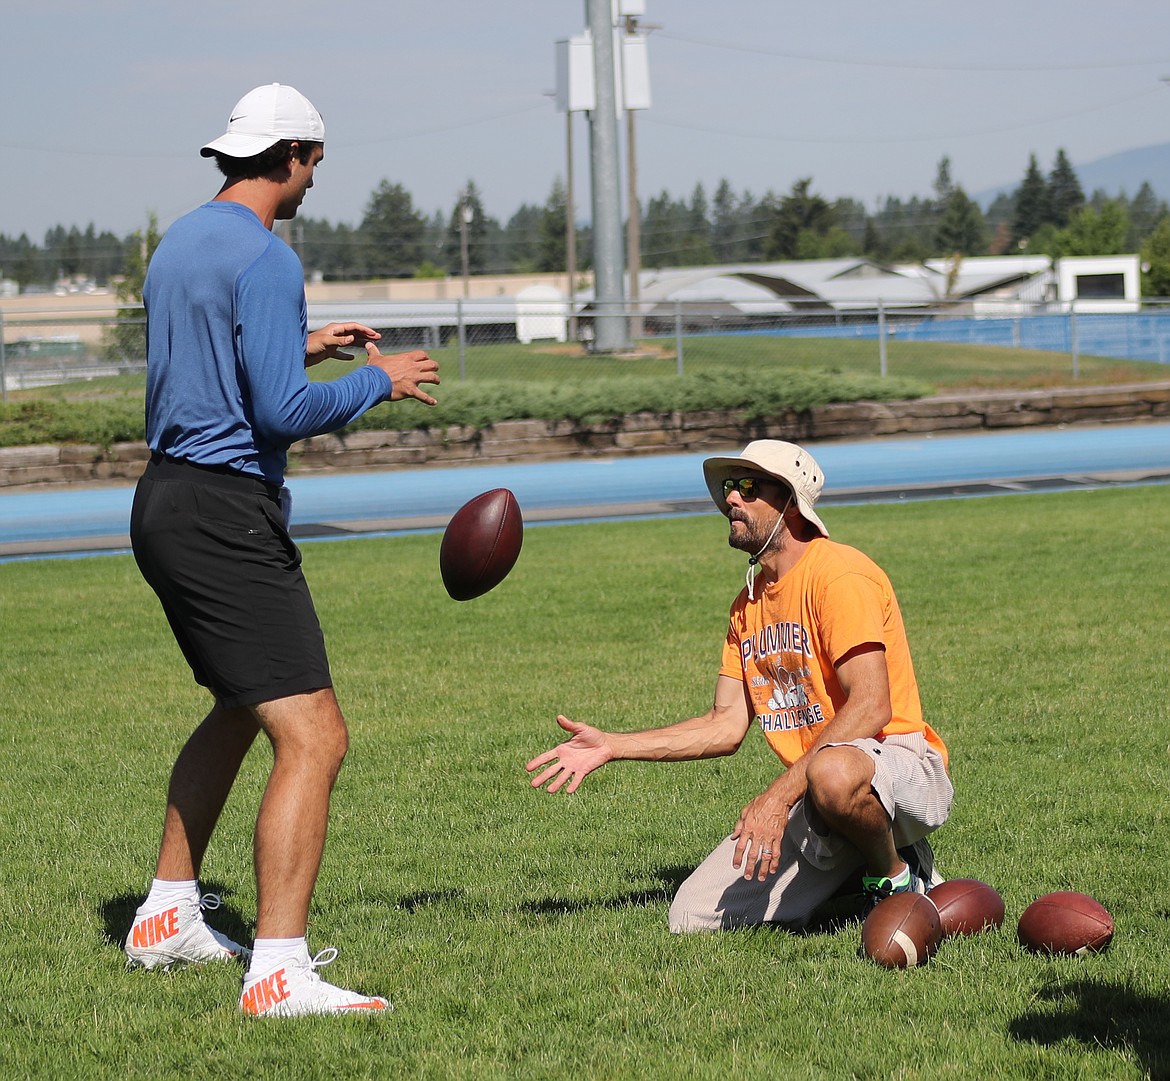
<point>944,365</point>
<point>523,935</point>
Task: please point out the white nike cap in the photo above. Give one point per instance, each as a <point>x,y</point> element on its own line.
<point>263,117</point>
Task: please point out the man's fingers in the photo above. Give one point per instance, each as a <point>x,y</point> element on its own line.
<point>541,759</point>
<point>558,775</point>
<point>749,864</point>
<point>757,857</point>
<point>563,775</point>
<point>540,778</point>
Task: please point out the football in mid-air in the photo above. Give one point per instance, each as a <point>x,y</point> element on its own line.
<point>902,931</point>
<point>1065,922</point>
<point>967,906</point>
<point>481,544</point>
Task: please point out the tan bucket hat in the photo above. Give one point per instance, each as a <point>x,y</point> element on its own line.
<point>785,461</point>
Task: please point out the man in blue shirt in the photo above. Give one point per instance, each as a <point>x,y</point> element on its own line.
<point>227,394</point>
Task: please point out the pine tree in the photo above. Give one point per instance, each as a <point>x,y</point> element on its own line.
<point>1031,205</point>
<point>552,253</point>
<point>1146,211</point>
<point>468,211</point>
<point>944,186</point>
<point>1065,196</point>
<point>664,230</point>
<point>961,228</point>
<point>520,240</point>
<point>725,224</point>
<point>799,211</point>
<point>696,246</point>
<point>392,233</point>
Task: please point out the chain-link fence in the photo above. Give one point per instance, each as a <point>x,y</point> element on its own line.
<point>506,338</point>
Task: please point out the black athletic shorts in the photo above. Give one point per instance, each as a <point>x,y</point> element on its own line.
<point>214,546</point>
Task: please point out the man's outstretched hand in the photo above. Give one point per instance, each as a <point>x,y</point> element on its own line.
<point>329,343</point>
<point>573,760</point>
<point>406,371</point>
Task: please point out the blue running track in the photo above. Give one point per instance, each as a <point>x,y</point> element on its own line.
<point>84,520</point>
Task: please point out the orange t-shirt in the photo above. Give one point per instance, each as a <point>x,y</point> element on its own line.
<point>785,646</point>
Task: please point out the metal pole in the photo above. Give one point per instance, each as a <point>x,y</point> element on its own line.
<point>678,337</point>
<point>633,213</point>
<point>882,335</point>
<point>570,229</point>
<point>462,341</point>
<point>3,369</point>
<point>611,336</point>
<point>1073,344</point>
<point>464,221</point>
<point>633,231</point>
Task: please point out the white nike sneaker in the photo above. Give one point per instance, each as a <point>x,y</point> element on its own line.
<point>295,990</point>
<point>178,935</point>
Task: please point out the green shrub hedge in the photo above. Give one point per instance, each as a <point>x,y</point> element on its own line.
<point>116,419</point>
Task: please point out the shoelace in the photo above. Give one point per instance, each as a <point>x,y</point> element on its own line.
<point>882,888</point>
<point>209,902</point>
<point>326,957</point>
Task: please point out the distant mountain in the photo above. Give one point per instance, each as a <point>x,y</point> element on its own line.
<point>1122,172</point>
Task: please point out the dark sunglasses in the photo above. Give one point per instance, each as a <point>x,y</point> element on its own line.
<point>748,487</point>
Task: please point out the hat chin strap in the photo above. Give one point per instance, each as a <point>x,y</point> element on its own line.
<point>753,561</point>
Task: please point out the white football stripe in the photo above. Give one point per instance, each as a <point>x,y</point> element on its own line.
<point>907,944</point>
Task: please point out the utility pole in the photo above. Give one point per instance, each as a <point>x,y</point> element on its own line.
<point>609,321</point>
<point>633,211</point>
<point>465,216</point>
<point>592,79</point>
<point>570,230</point>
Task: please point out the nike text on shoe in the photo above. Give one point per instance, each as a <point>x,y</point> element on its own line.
<point>178,935</point>
<point>295,990</point>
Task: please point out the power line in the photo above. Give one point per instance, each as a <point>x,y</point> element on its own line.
<point>443,129</point>
<point>391,137</point>
<point>823,58</point>
<point>888,136</point>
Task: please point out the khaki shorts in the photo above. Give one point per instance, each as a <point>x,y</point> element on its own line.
<point>910,779</point>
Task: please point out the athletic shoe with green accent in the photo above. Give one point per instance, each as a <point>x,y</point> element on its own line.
<point>178,935</point>
<point>877,889</point>
<point>295,990</point>
<point>919,858</point>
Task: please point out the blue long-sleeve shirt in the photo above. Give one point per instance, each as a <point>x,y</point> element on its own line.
<point>226,329</point>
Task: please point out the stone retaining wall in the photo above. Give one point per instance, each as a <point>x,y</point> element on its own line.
<point>533,440</point>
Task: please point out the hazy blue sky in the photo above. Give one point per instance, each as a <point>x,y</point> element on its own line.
<point>106,102</point>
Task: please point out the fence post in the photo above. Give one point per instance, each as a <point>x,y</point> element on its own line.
<point>1073,344</point>
<point>678,337</point>
<point>882,335</point>
<point>3,368</point>
<point>462,340</point>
